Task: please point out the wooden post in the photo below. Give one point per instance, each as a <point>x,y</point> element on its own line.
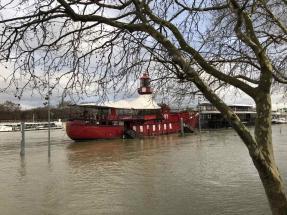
<point>199,114</point>
<point>181,127</point>
<point>199,121</point>
<point>22,151</point>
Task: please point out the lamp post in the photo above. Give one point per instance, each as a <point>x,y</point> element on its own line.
<point>49,117</point>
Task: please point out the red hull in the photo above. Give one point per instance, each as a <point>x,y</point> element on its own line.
<point>80,130</point>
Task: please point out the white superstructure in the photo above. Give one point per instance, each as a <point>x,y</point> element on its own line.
<point>141,102</point>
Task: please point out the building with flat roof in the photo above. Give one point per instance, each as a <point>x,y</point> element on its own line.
<point>210,117</point>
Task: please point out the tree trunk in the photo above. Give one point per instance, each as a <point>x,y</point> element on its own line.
<point>273,185</point>
<point>264,160</point>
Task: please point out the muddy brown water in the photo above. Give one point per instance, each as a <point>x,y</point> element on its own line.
<point>210,173</point>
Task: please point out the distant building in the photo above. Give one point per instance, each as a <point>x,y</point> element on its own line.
<point>210,117</point>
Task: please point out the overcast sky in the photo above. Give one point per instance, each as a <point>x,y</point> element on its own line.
<point>30,100</point>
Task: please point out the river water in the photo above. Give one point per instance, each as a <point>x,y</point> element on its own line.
<point>210,173</point>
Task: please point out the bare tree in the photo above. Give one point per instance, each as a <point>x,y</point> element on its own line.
<point>101,44</point>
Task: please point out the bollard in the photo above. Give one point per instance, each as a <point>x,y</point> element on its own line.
<point>22,151</point>
<point>181,127</point>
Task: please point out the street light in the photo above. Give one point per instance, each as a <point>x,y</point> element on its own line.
<point>49,116</point>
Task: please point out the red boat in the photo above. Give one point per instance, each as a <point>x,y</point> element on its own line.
<point>129,118</point>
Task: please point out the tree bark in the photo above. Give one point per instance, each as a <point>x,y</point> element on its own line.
<point>272,184</point>
<point>264,161</point>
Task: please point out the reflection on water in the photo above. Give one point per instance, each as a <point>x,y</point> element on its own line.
<point>210,173</point>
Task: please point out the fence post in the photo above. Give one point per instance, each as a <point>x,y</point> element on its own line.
<point>22,152</point>
<point>199,121</point>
